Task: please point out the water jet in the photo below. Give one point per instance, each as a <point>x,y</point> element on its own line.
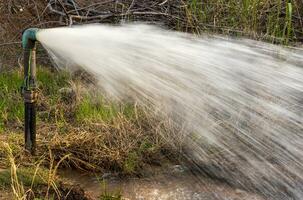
<point>238,102</point>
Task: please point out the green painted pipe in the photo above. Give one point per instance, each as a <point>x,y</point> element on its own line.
<point>29,38</point>
<point>29,88</point>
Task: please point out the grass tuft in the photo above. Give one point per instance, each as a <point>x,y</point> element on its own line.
<point>274,21</point>
<point>95,109</point>
<point>25,177</point>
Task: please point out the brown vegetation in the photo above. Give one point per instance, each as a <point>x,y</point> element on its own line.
<point>275,21</point>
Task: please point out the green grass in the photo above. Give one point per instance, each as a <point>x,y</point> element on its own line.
<point>11,105</point>
<point>25,176</point>
<point>275,21</point>
<point>110,197</point>
<point>52,107</point>
<point>131,163</point>
<point>49,82</point>
<point>124,142</point>
<point>11,100</point>
<point>106,195</point>
<point>95,109</point>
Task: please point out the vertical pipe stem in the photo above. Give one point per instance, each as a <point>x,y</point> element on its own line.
<point>30,99</point>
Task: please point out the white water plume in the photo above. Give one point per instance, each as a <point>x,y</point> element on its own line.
<point>240,101</point>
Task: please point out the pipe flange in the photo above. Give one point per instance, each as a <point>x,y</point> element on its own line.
<point>30,96</point>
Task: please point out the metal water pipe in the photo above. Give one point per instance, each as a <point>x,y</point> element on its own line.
<point>29,88</point>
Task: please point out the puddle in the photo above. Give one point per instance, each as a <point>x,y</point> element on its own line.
<point>172,185</point>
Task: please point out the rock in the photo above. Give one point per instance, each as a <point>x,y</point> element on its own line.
<point>238,191</point>
<point>108,176</point>
<point>74,192</point>
<point>178,169</point>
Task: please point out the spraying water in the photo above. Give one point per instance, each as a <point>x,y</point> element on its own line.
<point>239,102</point>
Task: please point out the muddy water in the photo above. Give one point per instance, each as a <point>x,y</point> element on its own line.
<point>173,183</point>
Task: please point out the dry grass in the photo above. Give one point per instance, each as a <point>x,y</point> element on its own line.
<point>35,182</point>
<point>77,130</point>
<point>95,134</point>
<point>99,146</point>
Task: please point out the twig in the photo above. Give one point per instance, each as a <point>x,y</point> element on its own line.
<point>164,2</point>
<point>75,6</point>
<point>92,5</point>
<point>9,43</point>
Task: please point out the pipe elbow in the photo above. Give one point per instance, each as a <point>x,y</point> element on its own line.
<point>29,38</point>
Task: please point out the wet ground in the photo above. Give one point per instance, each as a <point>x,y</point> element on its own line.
<point>173,183</point>
<point>5,195</point>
